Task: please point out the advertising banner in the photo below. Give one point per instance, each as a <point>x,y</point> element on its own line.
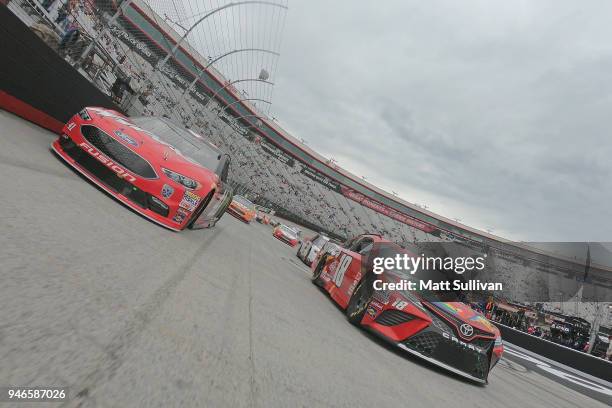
<point>385,210</point>
<point>277,153</point>
<point>321,179</point>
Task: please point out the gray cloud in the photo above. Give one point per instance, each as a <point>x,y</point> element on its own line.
<point>497,112</point>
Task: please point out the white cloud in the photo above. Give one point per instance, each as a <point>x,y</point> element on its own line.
<point>492,112</point>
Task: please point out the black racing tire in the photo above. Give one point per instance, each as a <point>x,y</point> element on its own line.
<point>305,260</point>
<point>298,252</point>
<point>316,274</point>
<point>196,214</point>
<point>358,303</point>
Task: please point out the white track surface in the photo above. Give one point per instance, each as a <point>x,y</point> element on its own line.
<point>129,314</point>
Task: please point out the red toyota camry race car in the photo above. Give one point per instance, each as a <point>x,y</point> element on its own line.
<point>449,334</point>
<point>168,174</point>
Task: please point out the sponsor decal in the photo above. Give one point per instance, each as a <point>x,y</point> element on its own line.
<point>121,172</point>
<point>190,201</point>
<point>180,215</point>
<point>126,138</point>
<point>71,125</point>
<point>560,327</point>
<point>466,330</point>
<point>167,191</point>
<point>463,344</point>
<point>400,304</point>
<point>372,311</point>
<point>351,288</point>
<point>376,304</point>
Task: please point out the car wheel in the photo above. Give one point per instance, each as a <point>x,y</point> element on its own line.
<point>358,303</point>
<point>298,252</point>
<point>309,263</point>
<point>316,275</point>
<point>200,209</point>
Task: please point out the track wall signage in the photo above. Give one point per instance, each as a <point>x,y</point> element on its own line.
<point>385,210</point>
<point>277,153</point>
<point>321,179</point>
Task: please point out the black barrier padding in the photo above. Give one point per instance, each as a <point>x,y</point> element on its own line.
<point>586,363</point>
<point>34,73</point>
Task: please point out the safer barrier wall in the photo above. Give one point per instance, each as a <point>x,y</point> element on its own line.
<point>586,363</point>
<point>35,82</point>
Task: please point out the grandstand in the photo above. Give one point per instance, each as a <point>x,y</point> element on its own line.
<point>269,165</point>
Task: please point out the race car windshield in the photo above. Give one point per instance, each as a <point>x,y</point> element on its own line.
<point>180,139</point>
<point>244,201</point>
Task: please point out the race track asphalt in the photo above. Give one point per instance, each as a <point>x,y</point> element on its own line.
<point>128,314</point>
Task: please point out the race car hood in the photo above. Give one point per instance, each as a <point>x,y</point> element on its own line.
<point>236,204</point>
<point>468,315</point>
<point>459,310</point>
<point>158,153</point>
<point>285,234</point>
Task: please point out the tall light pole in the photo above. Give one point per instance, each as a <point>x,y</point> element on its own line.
<point>210,13</point>
<point>178,44</point>
<point>176,23</point>
<point>220,57</point>
<point>227,85</point>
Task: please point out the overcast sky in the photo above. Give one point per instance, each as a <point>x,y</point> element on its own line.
<point>497,113</point>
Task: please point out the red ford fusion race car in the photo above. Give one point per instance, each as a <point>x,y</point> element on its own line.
<point>164,172</point>
<point>448,334</point>
<point>285,234</point>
